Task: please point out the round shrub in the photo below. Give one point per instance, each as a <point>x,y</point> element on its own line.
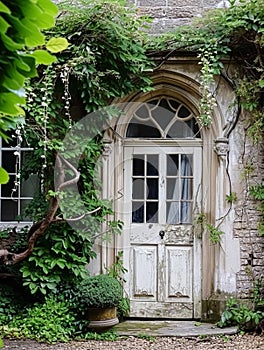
<point>100,291</point>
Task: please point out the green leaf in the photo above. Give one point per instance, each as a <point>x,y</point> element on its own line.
<point>10,44</point>
<point>9,103</point>
<point>48,7</point>
<point>45,270</point>
<point>55,45</point>
<point>4,177</point>
<point>46,22</point>
<point>19,62</point>
<point>51,286</point>
<point>14,80</point>
<point>3,25</point>
<point>43,290</point>
<point>20,28</point>
<point>36,38</point>
<point>33,287</point>
<point>31,63</point>
<point>4,8</point>
<point>251,16</point>
<point>61,264</point>
<point>53,263</point>
<point>30,9</point>
<point>26,273</point>
<point>8,122</point>
<point>43,57</point>
<point>37,15</point>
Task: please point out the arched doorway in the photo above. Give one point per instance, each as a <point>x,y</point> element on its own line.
<point>162,178</point>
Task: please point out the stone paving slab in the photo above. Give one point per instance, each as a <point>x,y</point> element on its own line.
<point>171,329</point>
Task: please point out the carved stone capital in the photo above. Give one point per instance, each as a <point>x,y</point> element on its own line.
<point>221,146</point>
<point>107,148</point>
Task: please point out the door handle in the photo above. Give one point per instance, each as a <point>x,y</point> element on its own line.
<point>162,234</point>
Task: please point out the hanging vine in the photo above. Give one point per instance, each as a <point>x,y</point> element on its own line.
<point>234,34</point>
<point>228,43</point>
<point>105,60</point>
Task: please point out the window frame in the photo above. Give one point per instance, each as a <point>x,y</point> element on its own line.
<point>147,125</point>
<point>19,148</point>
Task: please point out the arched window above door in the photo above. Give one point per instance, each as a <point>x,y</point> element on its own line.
<point>163,118</point>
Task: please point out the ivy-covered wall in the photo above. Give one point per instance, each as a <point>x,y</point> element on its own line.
<point>248,162</point>
<point>244,169</point>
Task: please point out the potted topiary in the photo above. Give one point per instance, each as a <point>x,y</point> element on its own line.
<point>98,297</point>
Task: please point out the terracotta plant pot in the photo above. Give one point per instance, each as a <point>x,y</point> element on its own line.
<point>101,319</point>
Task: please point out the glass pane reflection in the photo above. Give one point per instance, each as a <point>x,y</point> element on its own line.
<point>173,189</point>
<point>152,212</point>
<point>138,212</point>
<point>152,165</point>
<point>138,165</point>
<point>9,210</point>
<point>152,188</point>
<point>172,164</point>
<point>173,217</point>
<point>138,188</point>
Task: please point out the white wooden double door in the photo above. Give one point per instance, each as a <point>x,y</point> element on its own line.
<point>162,190</point>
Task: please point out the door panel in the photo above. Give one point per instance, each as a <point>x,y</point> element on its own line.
<point>161,185</point>
<point>178,276</point>
<point>144,279</point>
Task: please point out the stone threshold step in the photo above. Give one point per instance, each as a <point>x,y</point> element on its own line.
<point>171,329</point>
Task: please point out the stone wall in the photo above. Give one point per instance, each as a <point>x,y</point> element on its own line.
<point>247,214</point>
<point>167,14</point>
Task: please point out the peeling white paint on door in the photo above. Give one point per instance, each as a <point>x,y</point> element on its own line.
<point>164,278</point>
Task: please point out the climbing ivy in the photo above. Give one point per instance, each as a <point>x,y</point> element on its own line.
<point>105,60</point>
<point>234,34</point>
<point>213,231</point>
<point>229,44</point>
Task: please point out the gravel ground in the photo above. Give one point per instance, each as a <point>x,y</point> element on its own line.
<point>236,342</point>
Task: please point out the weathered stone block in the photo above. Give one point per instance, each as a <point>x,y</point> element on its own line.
<point>258,262</point>
<point>180,3</point>
<point>168,12</point>
<point>247,240</point>
<point>159,26</point>
<point>258,255</point>
<point>258,270</point>
<point>151,3</point>
<point>154,12</point>
<point>211,3</point>
<point>178,12</point>
<point>244,254</point>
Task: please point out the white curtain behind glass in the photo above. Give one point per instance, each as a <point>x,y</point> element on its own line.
<point>180,210</point>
